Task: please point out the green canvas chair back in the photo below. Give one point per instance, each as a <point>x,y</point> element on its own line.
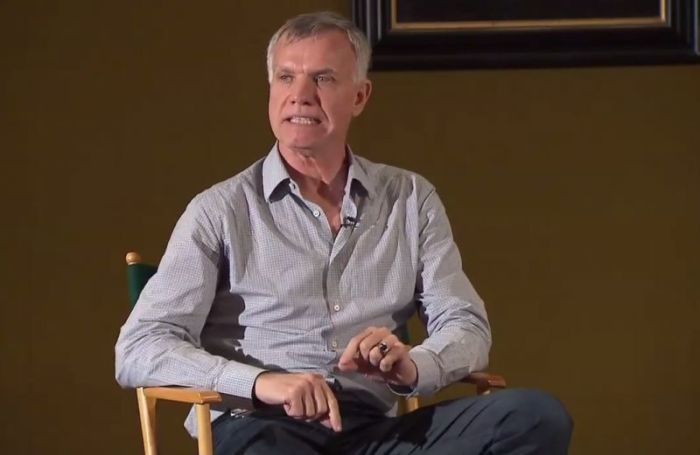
<point>138,275</point>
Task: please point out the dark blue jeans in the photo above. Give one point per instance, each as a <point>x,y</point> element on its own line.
<point>511,421</point>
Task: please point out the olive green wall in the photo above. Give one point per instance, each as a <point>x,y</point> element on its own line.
<point>574,196</point>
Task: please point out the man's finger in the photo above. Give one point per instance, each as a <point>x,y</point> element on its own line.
<point>347,359</point>
<point>321,401</point>
<point>294,406</point>
<point>375,356</point>
<point>369,344</point>
<point>382,348</point>
<point>390,358</point>
<point>333,409</point>
<point>309,404</point>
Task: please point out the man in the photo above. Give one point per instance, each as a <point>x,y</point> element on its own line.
<point>288,284</point>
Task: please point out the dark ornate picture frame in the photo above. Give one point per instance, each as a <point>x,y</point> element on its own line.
<point>444,34</point>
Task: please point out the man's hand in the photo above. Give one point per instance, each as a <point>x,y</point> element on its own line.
<point>380,355</point>
<point>302,395</point>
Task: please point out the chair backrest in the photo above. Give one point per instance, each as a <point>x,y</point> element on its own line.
<point>138,275</point>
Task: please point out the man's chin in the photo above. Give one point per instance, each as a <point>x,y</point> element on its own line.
<point>303,147</point>
<point>306,152</point>
<point>310,147</point>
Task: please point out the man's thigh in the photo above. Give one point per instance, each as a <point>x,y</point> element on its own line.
<point>260,434</point>
<point>514,422</point>
<point>507,422</point>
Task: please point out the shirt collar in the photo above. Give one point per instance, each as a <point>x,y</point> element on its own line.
<point>358,174</point>
<point>274,173</point>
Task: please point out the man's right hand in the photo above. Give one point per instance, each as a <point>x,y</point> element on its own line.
<point>302,395</point>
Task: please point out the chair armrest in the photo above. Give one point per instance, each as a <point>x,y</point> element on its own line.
<point>182,394</point>
<point>485,382</point>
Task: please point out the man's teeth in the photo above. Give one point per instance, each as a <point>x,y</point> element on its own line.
<point>303,120</point>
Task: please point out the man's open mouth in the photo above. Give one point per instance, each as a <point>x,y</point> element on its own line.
<point>303,120</point>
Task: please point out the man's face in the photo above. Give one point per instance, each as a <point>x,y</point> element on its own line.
<point>313,94</point>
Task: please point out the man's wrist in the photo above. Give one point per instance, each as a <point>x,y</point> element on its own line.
<point>406,389</point>
<point>414,384</point>
<point>427,371</point>
<point>257,403</point>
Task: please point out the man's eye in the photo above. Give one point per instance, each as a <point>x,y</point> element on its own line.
<point>285,77</point>
<point>323,78</point>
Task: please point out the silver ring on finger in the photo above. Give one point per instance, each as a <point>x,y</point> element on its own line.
<point>383,347</point>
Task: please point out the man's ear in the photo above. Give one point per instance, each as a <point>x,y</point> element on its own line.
<point>364,90</point>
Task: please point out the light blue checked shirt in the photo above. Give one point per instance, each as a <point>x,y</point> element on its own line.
<point>253,279</point>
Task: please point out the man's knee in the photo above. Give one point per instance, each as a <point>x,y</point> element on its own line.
<point>535,411</point>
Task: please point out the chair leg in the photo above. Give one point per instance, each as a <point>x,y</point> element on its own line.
<point>147,412</point>
<point>204,438</point>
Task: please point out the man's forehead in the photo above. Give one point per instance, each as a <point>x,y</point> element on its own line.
<point>328,52</point>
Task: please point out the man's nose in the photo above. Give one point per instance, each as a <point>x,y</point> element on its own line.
<point>303,91</point>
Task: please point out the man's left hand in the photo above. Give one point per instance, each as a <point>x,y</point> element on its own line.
<point>378,354</point>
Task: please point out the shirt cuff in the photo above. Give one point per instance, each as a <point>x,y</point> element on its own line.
<point>238,379</point>
<point>428,374</point>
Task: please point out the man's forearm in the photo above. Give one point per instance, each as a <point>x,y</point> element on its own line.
<point>150,354</point>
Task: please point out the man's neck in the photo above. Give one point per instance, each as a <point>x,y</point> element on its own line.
<point>323,173</point>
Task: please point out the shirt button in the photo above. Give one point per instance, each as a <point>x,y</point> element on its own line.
<point>334,343</point>
<point>316,213</point>
<point>336,307</point>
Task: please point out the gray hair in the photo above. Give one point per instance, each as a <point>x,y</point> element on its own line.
<point>312,24</point>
